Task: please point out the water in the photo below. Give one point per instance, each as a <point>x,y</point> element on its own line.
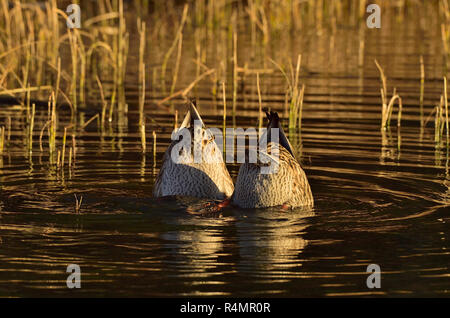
<point>378,199</point>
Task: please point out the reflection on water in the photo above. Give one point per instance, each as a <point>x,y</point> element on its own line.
<point>381,196</point>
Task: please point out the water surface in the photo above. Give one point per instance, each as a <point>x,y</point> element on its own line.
<point>379,198</point>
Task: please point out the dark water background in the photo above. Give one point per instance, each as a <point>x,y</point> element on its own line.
<point>375,202</point>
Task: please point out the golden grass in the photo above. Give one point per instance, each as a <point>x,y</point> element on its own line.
<point>294,94</point>
<point>387,108</point>
<point>154,148</point>
<point>174,44</point>
<point>224,124</point>
<point>422,88</point>
<point>35,41</point>
<point>2,139</point>
<point>260,116</point>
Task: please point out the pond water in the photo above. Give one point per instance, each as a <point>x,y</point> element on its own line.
<point>379,198</point>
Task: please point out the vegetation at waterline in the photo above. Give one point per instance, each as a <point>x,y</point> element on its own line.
<point>44,62</point>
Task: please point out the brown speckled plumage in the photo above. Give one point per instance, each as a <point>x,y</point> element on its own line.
<point>202,180</point>
<point>288,186</point>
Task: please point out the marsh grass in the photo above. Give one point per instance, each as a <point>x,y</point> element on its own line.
<point>260,117</point>
<point>104,102</point>
<point>78,203</point>
<point>294,94</point>
<point>224,118</point>
<point>31,127</point>
<point>175,120</point>
<point>154,148</point>
<point>388,107</point>
<point>39,54</point>
<point>439,122</point>
<point>2,139</point>
<point>422,89</point>
<point>142,133</point>
<point>446,110</point>
<point>235,75</point>
<point>176,41</point>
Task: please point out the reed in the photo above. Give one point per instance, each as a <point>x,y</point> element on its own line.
<point>154,148</point>
<point>439,122</point>
<point>174,43</point>
<point>235,75</point>
<point>294,93</point>
<point>142,102</point>
<point>104,102</point>
<point>11,92</point>
<point>387,108</point>
<point>74,148</point>
<point>70,157</point>
<point>8,138</point>
<point>224,125</point>
<point>142,132</point>
<point>184,92</point>
<point>30,131</point>
<point>175,125</point>
<point>74,54</point>
<point>422,88</point>
<point>177,64</point>
<point>63,152</point>
<point>58,160</point>
<point>96,116</point>
<point>78,203</point>
<point>42,134</point>
<point>52,125</point>
<point>260,117</point>
<point>446,110</point>
<point>2,139</point>
<point>300,107</point>
<point>141,31</point>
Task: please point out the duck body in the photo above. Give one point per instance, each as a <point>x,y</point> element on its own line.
<point>208,178</point>
<point>286,185</point>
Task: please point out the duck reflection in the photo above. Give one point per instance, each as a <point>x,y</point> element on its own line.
<point>272,241</point>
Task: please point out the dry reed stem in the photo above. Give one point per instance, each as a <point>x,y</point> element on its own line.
<point>70,156</point>
<point>235,74</point>
<point>154,148</point>
<point>177,64</point>
<point>383,82</point>
<point>422,88</point>
<point>142,131</point>
<point>175,126</point>
<point>9,128</point>
<point>300,114</point>
<point>26,89</point>
<point>184,92</point>
<point>174,43</point>
<point>2,139</point>
<point>78,203</point>
<point>96,116</point>
<point>141,30</point>
<point>30,136</point>
<point>142,99</point>
<point>42,134</point>
<point>58,162</point>
<point>446,109</point>
<point>259,102</point>
<point>224,117</point>
<point>439,122</point>
<point>104,103</point>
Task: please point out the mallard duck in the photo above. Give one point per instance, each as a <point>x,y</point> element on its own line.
<point>286,186</point>
<point>208,178</point>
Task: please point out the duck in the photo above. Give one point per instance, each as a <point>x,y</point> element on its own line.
<point>286,185</point>
<point>206,178</point>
